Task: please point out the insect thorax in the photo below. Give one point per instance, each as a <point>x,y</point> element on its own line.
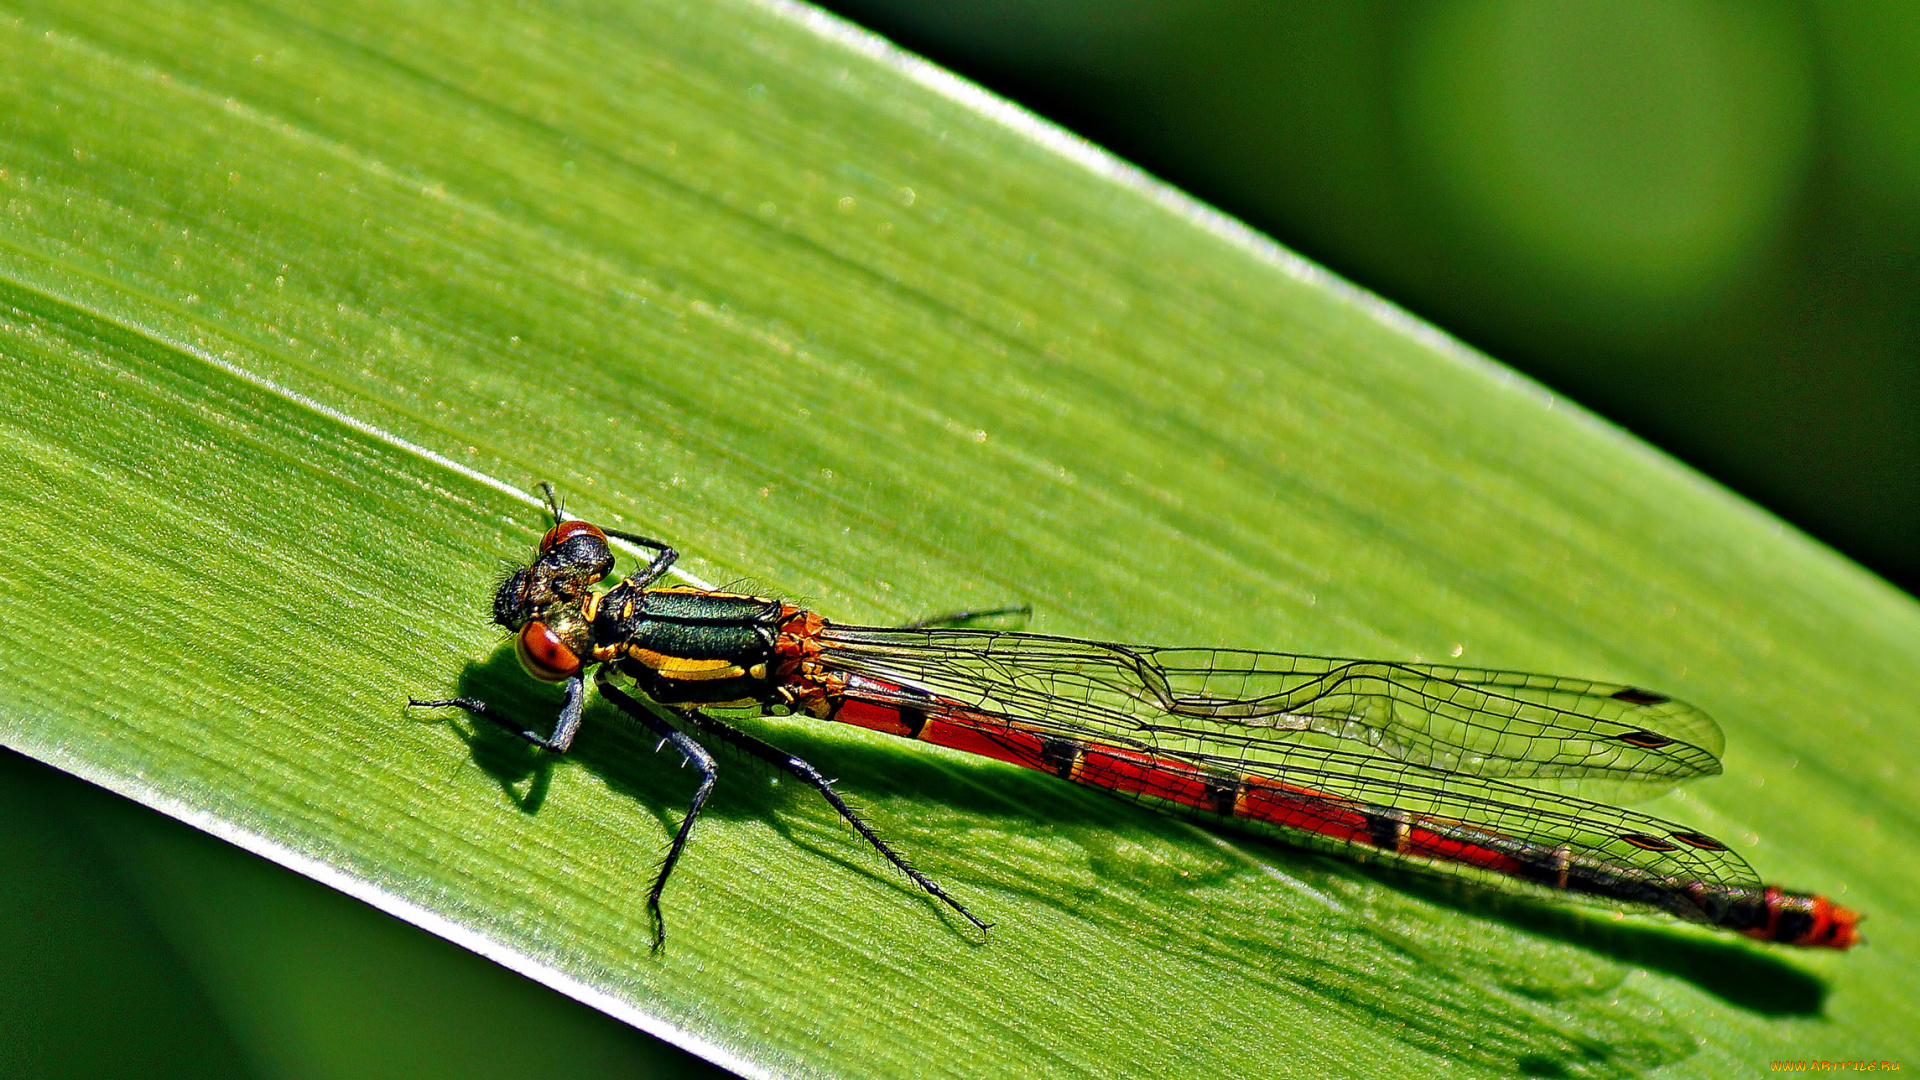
<point>685,647</point>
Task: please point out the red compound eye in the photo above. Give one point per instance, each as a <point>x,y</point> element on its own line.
<point>544,655</point>
<point>567,530</point>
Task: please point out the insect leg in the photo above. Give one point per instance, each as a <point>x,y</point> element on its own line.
<point>564,728</point>
<point>957,618</point>
<point>807,774</point>
<point>568,725</point>
<point>697,756</point>
<point>664,556</point>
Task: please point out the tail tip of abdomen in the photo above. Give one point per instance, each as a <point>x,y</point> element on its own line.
<point>1806,920</point>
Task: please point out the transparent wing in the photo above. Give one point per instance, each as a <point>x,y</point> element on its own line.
<point>1239,707</point>
<point>1365,806</point>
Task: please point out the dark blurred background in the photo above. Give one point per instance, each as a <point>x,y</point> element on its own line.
<point>1700,218</point>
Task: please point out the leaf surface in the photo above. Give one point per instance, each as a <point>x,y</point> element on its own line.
<point>297,302</point>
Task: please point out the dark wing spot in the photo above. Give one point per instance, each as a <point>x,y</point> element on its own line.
<point>1648,843</point>
<point>1699,840</point>
<point>1645,740</point>
<point>1633,695</point>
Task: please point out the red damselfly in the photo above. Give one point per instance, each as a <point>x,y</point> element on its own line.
<point>1439,767</point>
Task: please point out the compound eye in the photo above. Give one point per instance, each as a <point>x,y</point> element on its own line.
<point>567,530</point>
<point>544,655</point>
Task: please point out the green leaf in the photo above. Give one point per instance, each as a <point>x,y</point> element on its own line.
<point>298,301</point>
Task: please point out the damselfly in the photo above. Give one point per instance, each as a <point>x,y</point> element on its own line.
<point>1440,767</point>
